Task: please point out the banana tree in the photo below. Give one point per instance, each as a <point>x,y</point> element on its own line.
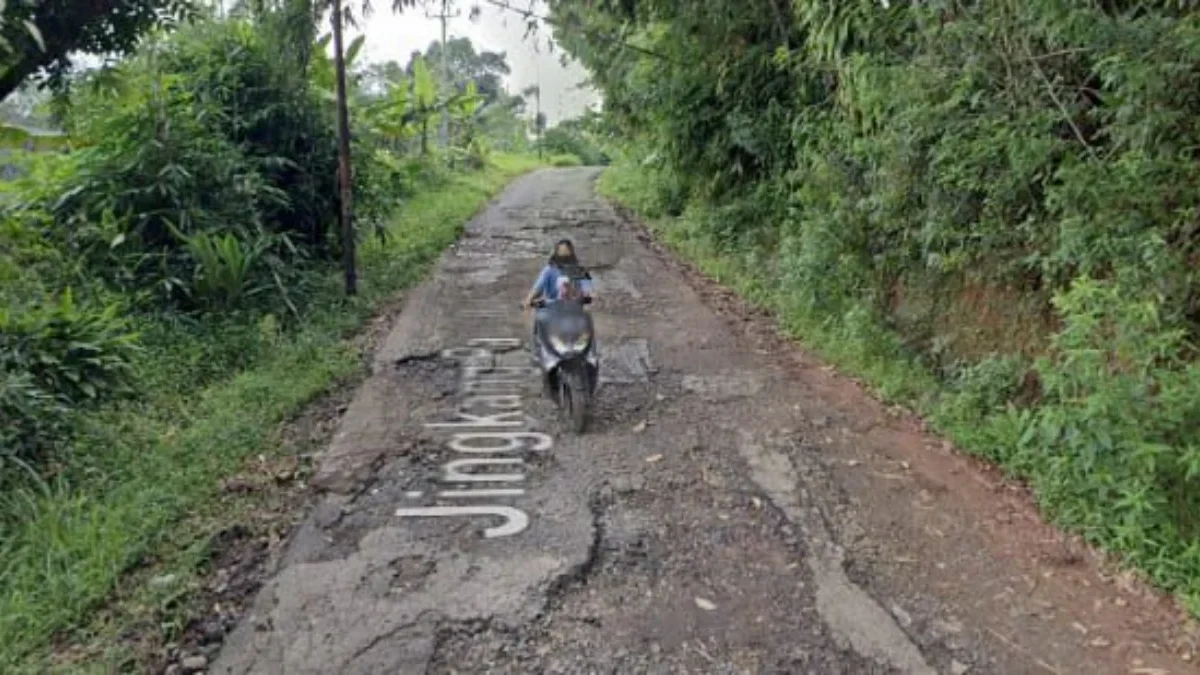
<point>424,99</point>
<point>464,110</point>
<point>394,116</point>
<point>464,106</point>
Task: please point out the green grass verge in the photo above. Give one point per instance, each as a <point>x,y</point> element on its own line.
<point>565,160</point>
<point>146,467</point>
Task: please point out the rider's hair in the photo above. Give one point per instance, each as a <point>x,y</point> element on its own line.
<point>569,260</point>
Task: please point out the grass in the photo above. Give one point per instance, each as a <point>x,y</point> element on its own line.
<point>565,160</point>
<point>146,490</point>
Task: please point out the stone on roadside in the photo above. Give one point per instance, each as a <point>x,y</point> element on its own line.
<point>194,664</point>
<point>163,581</point>
<point>902,617</point>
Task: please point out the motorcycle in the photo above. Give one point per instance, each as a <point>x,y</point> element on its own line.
<point>564,350</point>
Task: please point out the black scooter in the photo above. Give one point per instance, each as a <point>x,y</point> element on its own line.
<point>564,350</point>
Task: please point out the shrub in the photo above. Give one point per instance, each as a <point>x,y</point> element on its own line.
<point>56,357</point>
<point>566,140</point>
<point>208,138</point>
<point>565,160</point>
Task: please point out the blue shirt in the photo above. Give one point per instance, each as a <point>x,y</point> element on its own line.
<point>547,282</point>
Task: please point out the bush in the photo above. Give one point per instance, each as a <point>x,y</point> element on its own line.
<point>207,139</point>
<point>567,140</point>
<point>54,358</point>
<point>565,160</point>
<point>203,182</point>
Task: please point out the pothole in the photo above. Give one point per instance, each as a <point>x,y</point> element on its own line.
<point>625,361</point>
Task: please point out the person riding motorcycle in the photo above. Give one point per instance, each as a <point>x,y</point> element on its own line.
<point>554,283</point>
<point>562,267</point>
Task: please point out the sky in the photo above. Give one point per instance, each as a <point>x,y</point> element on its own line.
<point>395,36</point>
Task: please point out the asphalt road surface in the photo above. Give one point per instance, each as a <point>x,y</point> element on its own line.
<point>736,508</point>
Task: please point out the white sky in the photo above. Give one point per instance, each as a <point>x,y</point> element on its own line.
<point>395,36</point>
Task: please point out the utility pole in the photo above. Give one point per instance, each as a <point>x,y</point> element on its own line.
<point>535,90</point>
<point>445,16</point>
<point>343,122</point>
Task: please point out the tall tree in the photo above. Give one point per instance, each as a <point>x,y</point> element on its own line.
<point>42,36</point>
<point>486,69</point>
<point>344,178</point>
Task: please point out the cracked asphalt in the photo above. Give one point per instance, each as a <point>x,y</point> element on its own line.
<point>723,515</point>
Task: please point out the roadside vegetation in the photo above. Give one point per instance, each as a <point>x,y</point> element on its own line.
<point>576,142</point>
<point>170,286</point>
<point>988,211</point>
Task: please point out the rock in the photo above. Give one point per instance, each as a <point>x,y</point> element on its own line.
<point>163,581</point>
<point>902,617</point>
<point>706,605</point>
<point>214,632</point>
<point>194,664</point>
<point>958,667</point>
<point>639,427</point>
<point>944,628</point>
<point>327,514</point>
<point>173,669</point>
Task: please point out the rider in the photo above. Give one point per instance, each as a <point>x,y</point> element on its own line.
<point>560,268</point>
<point>552,283</point>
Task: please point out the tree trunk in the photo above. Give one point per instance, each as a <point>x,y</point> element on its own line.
<point>344,175</point>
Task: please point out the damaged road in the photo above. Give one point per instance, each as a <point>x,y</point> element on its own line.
<point>732,510</point>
